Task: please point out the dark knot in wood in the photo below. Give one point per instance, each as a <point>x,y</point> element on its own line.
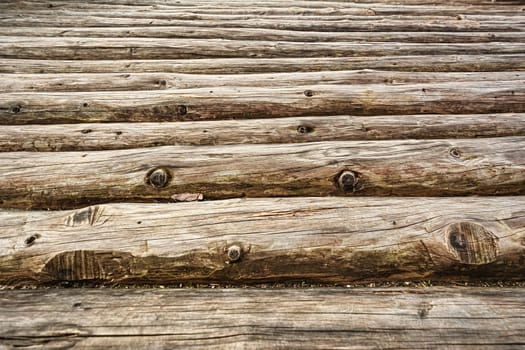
<point>472,243</point>
<point>308,93</point>
<point>234,253</point>
<point>347,181</point>
<point>159,178</point>
<point>304,129</point>
<point>182,110</point>
<point>31,239</point>
<point>454,152</point>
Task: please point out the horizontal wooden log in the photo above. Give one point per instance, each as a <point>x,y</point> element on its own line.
<point>230,102</point>
<point>301,8</point>
<point>273,4</point>
<point>100,136</point>
<point>163,48</point>
<point>467,318</point>
<point>162,81</point>
<point>409,168</point>
<point>263,34</point>
<point>434,63</point>
<point>317,240</point>
<point>368,22</point>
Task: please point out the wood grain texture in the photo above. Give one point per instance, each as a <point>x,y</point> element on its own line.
<point>263,34</point>
<point>272,8</point>
<point>230,102</point>
<point>489,166</point>
<point>106,136</point>
<point>370,22</point>
<point>166,48</point>
<point>318,240</point>
<point>161,81</point>
<point>433,318</point>
<point>433,63</point>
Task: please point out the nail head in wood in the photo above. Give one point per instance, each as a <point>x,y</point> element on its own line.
<point>182,110</point>
<point>159,178</point>
<point>234,253</point>
<point>347,181</point>
<point>304,129</point>
<point>308,93</point>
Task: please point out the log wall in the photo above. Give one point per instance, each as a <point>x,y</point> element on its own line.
<point>197,143</point>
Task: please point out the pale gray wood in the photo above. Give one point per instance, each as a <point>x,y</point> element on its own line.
<point>328,240</point>
<point>412,167</point>
<point>264,34</point>
<point>100,136</point>
<point>167,48</point>
<point>434,63</point>
<point>368,22</point>
<point>433,318</point>
<point>245,102</point>
<point>161,81</point>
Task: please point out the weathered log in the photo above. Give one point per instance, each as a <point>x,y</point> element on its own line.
<point>304,5</point>
<point>229,102</point>
<point>161,81</point>
<point>412,167</point>
<point>165,48</point>
<point>106,136</point>
<point>318,240</point>
<point>264,34</point>
<point>369,22</point>
<point>431,318</point>
<point>434,63</point>
<point>273,8</point>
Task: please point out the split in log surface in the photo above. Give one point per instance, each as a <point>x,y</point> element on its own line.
<point>230,102</point>
<point>107,136</point>
<point>434,318</point>
<point>319,240</point>
<point>486,166</point>
<point>431,63</point>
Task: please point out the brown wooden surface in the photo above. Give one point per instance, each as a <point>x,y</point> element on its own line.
<point>433,318</point>
<point>432,63</point>
<point>106,136</point>
<point>488,166</point>
<point>227,102</point>
<point>162,81</point>
<point>328,240</point>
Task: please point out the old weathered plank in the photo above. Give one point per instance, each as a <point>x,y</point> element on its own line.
<point>230,102</point>
<point>100,136</point>
<point>369,22</point>
<point>413,167</point>
<point>271,8</point>
<point>264,34</point>
<point>296,5</point>
<point>434,318</point>
<point>434,63</point>
<point>168,48</point>
<point>161,81</point>
<point>325,240</point>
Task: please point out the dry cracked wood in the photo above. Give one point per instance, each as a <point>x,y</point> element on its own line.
<point>319,240</point>
<point>167,48</point>
<point>230,102</point>
<point>268,8</point>
<point>487,166</point>
<point>263,34</point>
<point>161,81</point>
<point>434,318</point>
<point>346,23</point>
<point>105,136</point>
<point>433,63</point>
